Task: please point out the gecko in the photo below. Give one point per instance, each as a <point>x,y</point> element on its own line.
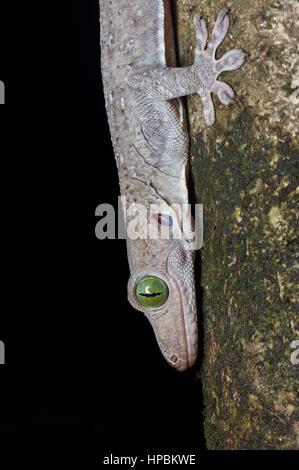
<point>143,88</point>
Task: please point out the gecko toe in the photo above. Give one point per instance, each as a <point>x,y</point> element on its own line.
<point>201,32</point>
<point>220,30</point>
<point>224,92</point>
<point>231,60</point>
<point>208,109</point>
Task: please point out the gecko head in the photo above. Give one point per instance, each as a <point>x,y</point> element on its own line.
<point>162,287</point>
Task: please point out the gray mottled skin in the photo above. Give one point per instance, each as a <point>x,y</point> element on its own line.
<point>148,127</point>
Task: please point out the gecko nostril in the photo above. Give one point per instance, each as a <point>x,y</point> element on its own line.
<point>174,359</point>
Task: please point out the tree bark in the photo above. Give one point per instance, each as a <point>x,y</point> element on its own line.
<point>244,173</point>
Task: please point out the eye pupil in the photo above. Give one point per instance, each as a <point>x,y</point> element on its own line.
<point>151,292</point>
<point>154,294</point>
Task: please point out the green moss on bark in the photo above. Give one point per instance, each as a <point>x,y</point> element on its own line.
<point>245,174</point>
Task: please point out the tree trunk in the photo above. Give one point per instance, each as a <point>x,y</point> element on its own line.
<point>244,173</point>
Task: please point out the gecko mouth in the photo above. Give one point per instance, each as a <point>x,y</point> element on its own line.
<point>188,350</point>
<point>180,267</point>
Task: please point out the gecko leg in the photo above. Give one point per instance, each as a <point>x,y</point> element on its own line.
<point>209,68</point>
<point>201,78</point>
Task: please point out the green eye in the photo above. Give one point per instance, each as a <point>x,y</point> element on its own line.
<point>151,292</point>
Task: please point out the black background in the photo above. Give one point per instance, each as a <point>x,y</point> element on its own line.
<point>83,368</point>
<point>83,373</point>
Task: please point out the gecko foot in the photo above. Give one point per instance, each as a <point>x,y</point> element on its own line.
<point>208,68</point>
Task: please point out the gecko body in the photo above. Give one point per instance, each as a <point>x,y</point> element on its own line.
<point>143,90</point>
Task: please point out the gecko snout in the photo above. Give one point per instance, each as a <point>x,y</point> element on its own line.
<point>164,304</point>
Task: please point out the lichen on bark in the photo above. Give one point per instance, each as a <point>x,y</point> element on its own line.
<point>244,170</point>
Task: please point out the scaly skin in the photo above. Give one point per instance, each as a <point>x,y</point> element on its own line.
<point>148,127</point>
